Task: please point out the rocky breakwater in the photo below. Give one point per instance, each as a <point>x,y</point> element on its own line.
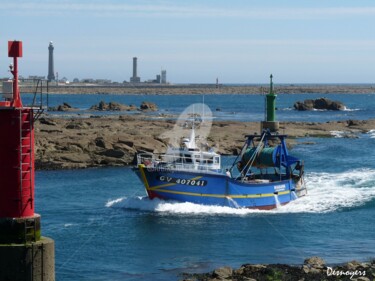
<point>93,142</point>
<point>313,269</point>
<point>320,104</point>
<point>75,143</point>
<point>69,143</point>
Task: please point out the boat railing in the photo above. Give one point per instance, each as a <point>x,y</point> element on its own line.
<point>175,162</point>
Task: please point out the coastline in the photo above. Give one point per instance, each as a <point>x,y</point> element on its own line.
<point>206,89</point>
<point>76,142</point>
<point>313,269</point>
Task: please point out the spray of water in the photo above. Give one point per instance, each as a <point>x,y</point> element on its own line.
<point>277,202</point>
<point>232,203</point>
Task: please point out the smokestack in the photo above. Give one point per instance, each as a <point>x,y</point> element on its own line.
<point>135,78</point>
<point>134,67</point>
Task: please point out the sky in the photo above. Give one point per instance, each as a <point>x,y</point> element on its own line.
<point>236,41</point>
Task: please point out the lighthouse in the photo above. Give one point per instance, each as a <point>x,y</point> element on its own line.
<point>24,253</point>
<point>51,73</point>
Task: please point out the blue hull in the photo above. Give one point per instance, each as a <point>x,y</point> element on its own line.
<point>215,189</point>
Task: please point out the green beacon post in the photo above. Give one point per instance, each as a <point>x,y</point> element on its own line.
<point>270,122</point>
<point>271,103</point>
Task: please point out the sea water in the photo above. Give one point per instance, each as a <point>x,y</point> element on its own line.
<point>224,106</point>
<point>105,228</point>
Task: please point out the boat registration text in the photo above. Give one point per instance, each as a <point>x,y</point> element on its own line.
<point>182,181</point>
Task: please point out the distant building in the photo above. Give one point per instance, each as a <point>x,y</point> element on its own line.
<point>163,77</point>
<point>36,77</point>
<point>51,74</point>
<point>135,78</point>
<point>88,80</point>
<point>154,81</point>
<point>64,80</point>
<point>75,80</point>
<point>103,81</point>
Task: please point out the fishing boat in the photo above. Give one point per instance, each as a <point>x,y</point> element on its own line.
<point>263,176</point>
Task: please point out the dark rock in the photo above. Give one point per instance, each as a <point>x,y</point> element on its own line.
<point>115,106</point>
<point>125,141</point>
<point>353,123</point>
<point>148,106</point>
<point>111,106</point>
<point>321,103</point>
<point>114,153</point>
<point>63,107</point>
<point>66,105</point>
<point>305,105</point>
<point>100,142</point>
<point>236,151</point>
<point>124,147</point>
<point>47,121</point>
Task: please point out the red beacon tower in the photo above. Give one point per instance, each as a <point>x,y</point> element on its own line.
<point>16,147</point>
<point>20,235</point>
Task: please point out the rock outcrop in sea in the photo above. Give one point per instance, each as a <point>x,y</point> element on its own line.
<point>63,107</point>
<point>113,106</point>
<point>321,103</point>
<point>313,269</point>
<point>148,106</point>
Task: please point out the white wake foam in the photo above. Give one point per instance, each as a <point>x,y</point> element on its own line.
<point>344,134</point>
<point>110,203</point>
<point>337,134</point>
<point>327,192</point>
<point>372,134</point>
<point>351,109</point>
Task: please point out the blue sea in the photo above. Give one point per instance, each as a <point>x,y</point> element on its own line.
<point>106,229</point>
<point>224,107</point>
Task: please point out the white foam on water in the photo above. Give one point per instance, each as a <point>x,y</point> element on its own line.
<point>326,192</point>
<point>372,134</point>
<point>110,203</point>
<point>173,207</point>
<point>351,109</point>
<point>344,109</point>
<point>337,134</point>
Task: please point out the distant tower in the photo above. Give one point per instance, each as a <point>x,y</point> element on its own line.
<point>51,75</point>
<point>135,78</point>
<point>163,77</point>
